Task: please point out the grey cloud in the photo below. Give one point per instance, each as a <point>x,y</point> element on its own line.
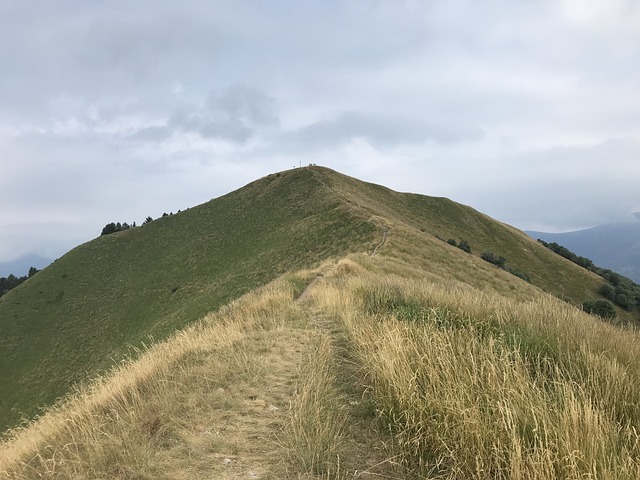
<point>559,188</point>
<point>156,133</point>
<point>244,104</point>
<point>234,114</point>
<point>382,130</point>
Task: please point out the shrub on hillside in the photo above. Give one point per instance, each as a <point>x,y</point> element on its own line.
<point>493,258</point>
<point>112,227</point>
<point>600,308</point>
<point>524,276</point>
<point>624,301</point>
<point>617,288</point>
<point>464,246</point>
<point>501,262</point>
<point>607,291</point>
<point>12,281</point>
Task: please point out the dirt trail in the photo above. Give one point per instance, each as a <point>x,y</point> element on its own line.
<point>366,447</point>
<point>239,432</point>
<point>385,233</point>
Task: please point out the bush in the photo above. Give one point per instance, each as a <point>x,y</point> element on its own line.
<point>524,276</point>
<point>600,308</point>
<point>493,258</point>
<point>607,291</point>
<point>464,246</point>
<point>451,241</point>
<point>623,301</point>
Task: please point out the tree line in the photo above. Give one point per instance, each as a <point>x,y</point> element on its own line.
<point>9,283</point>
<point>616,288</point>
<point>114,227</point>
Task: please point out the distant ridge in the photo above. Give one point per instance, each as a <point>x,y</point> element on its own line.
<point>20,266</point>
<point>613,246</point>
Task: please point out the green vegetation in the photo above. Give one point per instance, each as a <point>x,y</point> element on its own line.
<point>617,288</point>
<point>371,371</point>
<point>12,281</point>
<point>501,262</point>
<point>601,308</point>
<point>462,245</point>
<point>498,261</point>
<point>82,313</point>
<point>416,222</point>
<point>112,227</point>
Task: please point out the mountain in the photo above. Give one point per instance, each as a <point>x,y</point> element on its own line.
<point>313,325</point>
<point>85,311</point>
<point>613,246</point>
<point>20,266</point>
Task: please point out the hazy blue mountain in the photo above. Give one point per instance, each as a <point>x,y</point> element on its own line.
<point>614,246</point>
<point>20,266</point>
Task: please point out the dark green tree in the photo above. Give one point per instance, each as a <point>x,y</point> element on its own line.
<point>109,228</point>
<point>607,291</point>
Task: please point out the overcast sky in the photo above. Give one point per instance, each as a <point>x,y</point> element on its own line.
<point>528,111</point>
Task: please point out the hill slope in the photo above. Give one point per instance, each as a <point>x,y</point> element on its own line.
<point>75,317</point>
<point>374,371</point>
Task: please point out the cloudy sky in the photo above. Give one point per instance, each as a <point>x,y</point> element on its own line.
<point>113,110</point>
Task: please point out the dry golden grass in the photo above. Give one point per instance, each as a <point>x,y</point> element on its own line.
<point>205,402</point>
<point>474,385</point>
<point>377,370</point>
<point>315,436</point>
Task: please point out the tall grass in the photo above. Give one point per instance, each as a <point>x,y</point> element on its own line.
<point>116,427</point>
<point>315,435</point>
<point>461,383</point>
<point>473,385</point>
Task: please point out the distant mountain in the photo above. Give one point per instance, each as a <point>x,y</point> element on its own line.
<point>614,246</point>
<point>21,266</point>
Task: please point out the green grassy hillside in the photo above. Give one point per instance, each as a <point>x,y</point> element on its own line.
<point>73,319</point>
<point>430,221</point>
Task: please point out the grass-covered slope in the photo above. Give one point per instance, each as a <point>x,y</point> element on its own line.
<point>75,317</point>
<point>79,314</point>
<point>422,224</point>
<point>375,371</point>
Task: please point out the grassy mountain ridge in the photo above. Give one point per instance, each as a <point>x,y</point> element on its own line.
<point>421,219</point>
<point>77,316</point>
